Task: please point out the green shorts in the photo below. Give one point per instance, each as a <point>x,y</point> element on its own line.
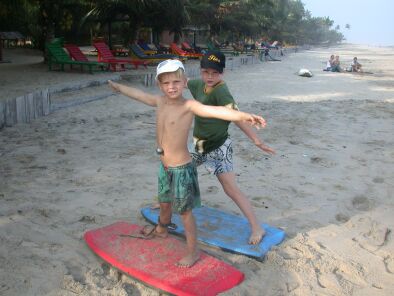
<point>179,186</point>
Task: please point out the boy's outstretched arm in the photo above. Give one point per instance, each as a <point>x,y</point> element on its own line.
<point>134,93</point>
<point>253,136</point>
<point>225,113</point>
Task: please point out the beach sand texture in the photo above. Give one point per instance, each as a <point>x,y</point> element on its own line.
<point>330,186</point>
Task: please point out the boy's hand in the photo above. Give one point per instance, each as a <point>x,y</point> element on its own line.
<point>264,147</point>
<point>113,85</point>
<point>257,121</point>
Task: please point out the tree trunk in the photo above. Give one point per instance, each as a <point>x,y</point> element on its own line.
<point>1,50</point>
<point>110,34</point>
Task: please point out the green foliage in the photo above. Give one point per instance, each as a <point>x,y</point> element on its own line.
<point>17,15</point>
<point>57,18</point>
<point>160,15</point>
<point>78,20</point>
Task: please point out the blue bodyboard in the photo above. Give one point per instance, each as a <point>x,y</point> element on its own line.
<point>226,231</point>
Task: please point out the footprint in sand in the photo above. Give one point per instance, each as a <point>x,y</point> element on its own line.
<point>341,218</point>
<point>374,237</point>
<point>106,268</point>
<point>292,281</point>
<point>378,180</point>
<point>389,264</point>
<point>259,202</point>
<point>76,275</point>
<point>328,281</point>
<point>130,289</point>
<point>323,162</point>
<point>212,189</point>
<point>4,288</point>
<point>88,219</point>
<point>72,285</point>
<point>361,203</point>
<point>25,158</point>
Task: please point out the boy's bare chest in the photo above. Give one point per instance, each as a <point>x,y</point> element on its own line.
<point>174,116</point>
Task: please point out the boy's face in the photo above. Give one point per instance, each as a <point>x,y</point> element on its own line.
<point>211,77</point>
<point>172,85</point>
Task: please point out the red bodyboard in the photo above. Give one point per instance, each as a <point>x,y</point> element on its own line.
<point>153,261</point>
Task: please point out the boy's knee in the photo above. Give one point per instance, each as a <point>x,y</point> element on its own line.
<point>231,191</point>
<point>228,184</point>
<point>230,187</point>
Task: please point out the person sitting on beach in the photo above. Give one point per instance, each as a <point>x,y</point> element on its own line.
<point>330,63</point>
<point>212,143</point>
<point>177,177</point>
<point>336,65</point>
<point>356,66</point>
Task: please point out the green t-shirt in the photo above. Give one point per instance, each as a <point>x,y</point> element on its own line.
<point>210,133</point>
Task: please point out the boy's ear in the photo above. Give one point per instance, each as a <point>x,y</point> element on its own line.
<point>158,84</point>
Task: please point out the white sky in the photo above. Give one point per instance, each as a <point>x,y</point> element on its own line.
<point>371,21</point>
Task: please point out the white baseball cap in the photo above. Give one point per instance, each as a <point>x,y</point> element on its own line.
<point>168,66</point>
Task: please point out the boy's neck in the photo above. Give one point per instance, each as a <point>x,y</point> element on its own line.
<point>208,89</point>
<point>174,101</point>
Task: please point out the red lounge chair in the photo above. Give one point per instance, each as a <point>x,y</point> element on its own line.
<point>77,55</point>
<point>187,47</point>
<point>176,50</point>
<point>105,55</point>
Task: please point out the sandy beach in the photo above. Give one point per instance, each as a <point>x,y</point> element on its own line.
<point>330,185</point>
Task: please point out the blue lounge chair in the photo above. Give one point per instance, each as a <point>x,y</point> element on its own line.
<point>137,53</point>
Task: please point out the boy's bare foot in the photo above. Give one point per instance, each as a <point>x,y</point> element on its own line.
<point>188,261</point>
<point>154,231</point>
<point>256,236</point>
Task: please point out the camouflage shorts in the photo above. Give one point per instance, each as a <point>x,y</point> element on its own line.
<point>179,186</point>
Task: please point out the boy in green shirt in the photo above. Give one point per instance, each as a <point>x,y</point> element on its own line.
<point>212,143</point>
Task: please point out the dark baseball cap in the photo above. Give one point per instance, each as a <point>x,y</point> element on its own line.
<point>214,60</point>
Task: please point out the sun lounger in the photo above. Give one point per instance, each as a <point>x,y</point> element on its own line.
<point>137,53</point>
<point>146,48</point>
<point>187,47</point>
<point>57,55</point>
<point>226,50</point>
<point>105,55</point>
<point>179,51</point>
